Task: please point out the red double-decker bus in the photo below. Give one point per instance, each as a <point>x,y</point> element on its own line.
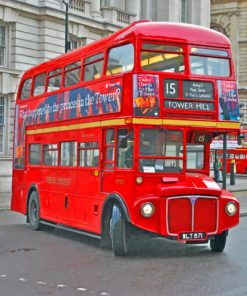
<point>114,137</point>
<point>236,151</point>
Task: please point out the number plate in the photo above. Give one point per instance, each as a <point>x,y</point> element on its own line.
<point>192,236</point>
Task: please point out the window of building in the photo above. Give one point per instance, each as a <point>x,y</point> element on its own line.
<point>120,59</point>
<point>76,42</point>
<point>50,154</point>
<point>2,124</point>
<point>26,89</point>
<point>162,58</point>
<point>39,84</point>
<point>72,74</point>
<point>2,45</point>
<point>54,80</point>
<point>93,67</point>
<point>89,154</point>
<point>34,155</point>
<point>68,154</point>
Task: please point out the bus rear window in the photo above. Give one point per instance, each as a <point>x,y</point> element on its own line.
<point>210,62</point>
<point>120,59</point>
<point>162,58</point>
<point>26,89</point>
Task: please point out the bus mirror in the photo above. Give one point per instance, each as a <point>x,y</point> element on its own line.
<point>123,143</point>
<point>241,111</point>
<point>240,138</point>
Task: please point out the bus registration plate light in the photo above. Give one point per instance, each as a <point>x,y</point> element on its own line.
<point>192,236</point>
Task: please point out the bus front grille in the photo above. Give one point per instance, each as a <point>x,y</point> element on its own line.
<point>192,213</point>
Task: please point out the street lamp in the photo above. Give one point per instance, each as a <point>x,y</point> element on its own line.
<point>67,43</point>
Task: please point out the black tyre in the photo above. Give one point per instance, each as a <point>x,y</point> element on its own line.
<point>218,243</point>
<point>34,211</point>
<point>119,232</point>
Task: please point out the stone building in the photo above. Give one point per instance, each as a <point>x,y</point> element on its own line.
<point>32,31</point>
<point>230,18</point>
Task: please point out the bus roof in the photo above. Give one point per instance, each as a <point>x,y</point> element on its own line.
<point>172,32</point>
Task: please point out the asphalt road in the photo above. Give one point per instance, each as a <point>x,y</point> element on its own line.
<point>61,263</point>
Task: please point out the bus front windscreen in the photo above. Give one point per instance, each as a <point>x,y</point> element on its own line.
<point>209,62</point>
<point>160,150</point>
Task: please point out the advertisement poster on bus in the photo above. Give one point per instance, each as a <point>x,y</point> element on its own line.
<point>228,101</point>
<point>146,95</point>
<point>101,98</point>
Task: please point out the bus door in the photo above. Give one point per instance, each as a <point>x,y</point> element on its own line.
<point>118,161</point>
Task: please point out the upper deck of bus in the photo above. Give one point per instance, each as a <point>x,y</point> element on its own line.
<point>176,33</point>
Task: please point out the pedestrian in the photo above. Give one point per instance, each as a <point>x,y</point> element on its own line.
<point>217,170</point>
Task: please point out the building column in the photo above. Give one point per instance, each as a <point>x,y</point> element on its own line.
<point>134,7</point>
<point>95,9</point>
<point>234,37</point>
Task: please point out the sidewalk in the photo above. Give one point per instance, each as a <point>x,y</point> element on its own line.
<point>239,190</point>
<point>5,201</point>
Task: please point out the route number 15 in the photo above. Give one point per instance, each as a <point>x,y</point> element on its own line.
<point>171,88</point>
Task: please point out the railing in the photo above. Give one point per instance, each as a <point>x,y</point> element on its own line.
<point>123,17</point>
<point>78,5</point>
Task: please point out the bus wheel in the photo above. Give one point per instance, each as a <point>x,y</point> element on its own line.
<point>34,211</point>
<point>218,243</point>
<point>119,232</point>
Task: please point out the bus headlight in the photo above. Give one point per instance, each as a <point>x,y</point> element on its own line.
<point>231,208</point>
<point>147,209</point>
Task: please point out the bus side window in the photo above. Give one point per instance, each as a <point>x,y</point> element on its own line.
<point>93,67</point>
<point>39,84</point>
<point>120,59</point>
<point>72,74</point>
<point>50,154</point>
<point>68,154</point>
<point>89,154</point>
<point>54,80</point>
<point>26,89</point>
<point>34,154</point>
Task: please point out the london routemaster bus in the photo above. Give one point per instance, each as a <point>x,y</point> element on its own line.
<point>113,139</point>
<point>236,151</point>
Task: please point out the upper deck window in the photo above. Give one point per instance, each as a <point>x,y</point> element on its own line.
<point>210,62</point>
<point>93,67</point>
<point>120,59</point>
<point>39,84</point>
<point>72,74</point>
<point>206,51</point>
<point>54,80</point>
<point>26,89</point>
<point>162,58</point>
